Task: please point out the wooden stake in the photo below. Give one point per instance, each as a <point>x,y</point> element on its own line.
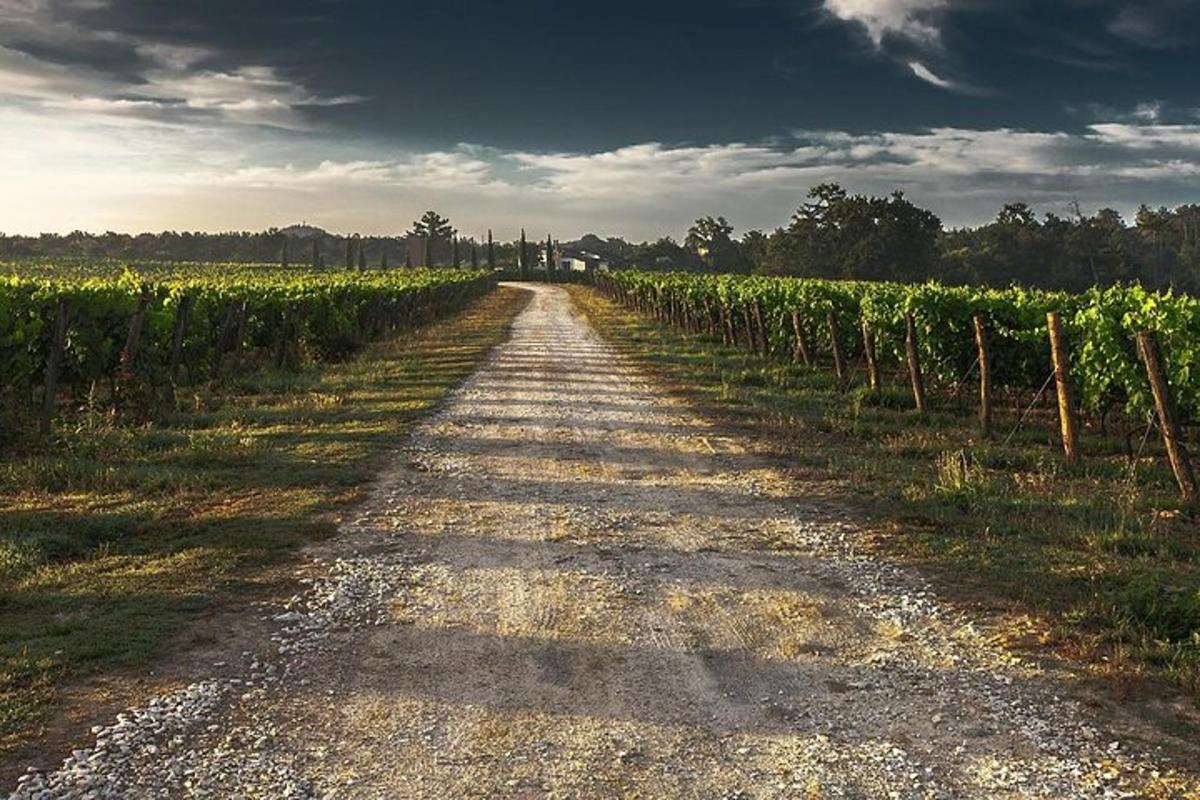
<point>228,331</point>
<point>764,341</point>
<point>801,352</point>
<point>181,316</point>
<point>839,365</point>
<point>1062,375</point>
<point>53,363</point>
<point>1168,419</point>
<point>283,345</point>
<point>872,357</point>
<point>985,378</point>
<point>134,340</point>
<point>240,334</point>
<point>914,363</point>
<point>750,341</point>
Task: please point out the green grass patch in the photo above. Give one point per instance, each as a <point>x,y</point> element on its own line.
<point>114,537</point>
<point>1101,552</point>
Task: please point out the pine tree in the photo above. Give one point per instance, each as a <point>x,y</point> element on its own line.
<point>435,229</point>
<point>491,251</point>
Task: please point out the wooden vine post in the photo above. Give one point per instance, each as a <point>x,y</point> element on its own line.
<point>284,342</point>
<point>229,331</point>
<point>239,335</point>
<point>1168,419</point>
<point>871,356</point>
<point>912,349</point>
<point>764,341</point>
<point>985,378</point>
<point>801,353</point>
<point>839,364</point>
<point>134,339</point>
<point>1062,374</point>
<point>751,342</point>
<point>53,364</point>
<point>181,317</point>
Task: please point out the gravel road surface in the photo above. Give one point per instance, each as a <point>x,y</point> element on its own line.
<point>568,585</point>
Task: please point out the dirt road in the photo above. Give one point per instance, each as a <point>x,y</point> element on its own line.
<point>570,586</point>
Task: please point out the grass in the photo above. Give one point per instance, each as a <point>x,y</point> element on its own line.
<point>1097,561</point>
<point>113,537</point>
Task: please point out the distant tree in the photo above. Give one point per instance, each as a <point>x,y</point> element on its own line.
<point>349,252</point>
<point>523,257</point>
<point>754,250</point>
<point>436,231</point>
<point>474,254</point>
<point>362,258</point>
<point>1156,228</point>
<point>711,240</point>
<point>316,251</point>
<point>383,259</point>
<point>663,254</point>
<point>491,251</point>
<point>837,235</point>
<point>454,260</point>
<point>551,267</point>
<point>283,255</point>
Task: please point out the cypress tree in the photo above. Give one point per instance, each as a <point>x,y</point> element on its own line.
<point>407,259</point>
<point>454,252</point>
<point>491,251</point>
<point>283,256</point>
<point>362,258</point>
<point>383,259</point>
<point>523,256</point>
<point>474,254</point>
<point>316,254</point>
<point>551,267</point>
<point>349,252</point>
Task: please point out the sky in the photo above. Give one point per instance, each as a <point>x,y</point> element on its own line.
<point>566,117</point>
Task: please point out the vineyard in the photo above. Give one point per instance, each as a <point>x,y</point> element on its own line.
<point>947,335</point>
<point>131,338</point>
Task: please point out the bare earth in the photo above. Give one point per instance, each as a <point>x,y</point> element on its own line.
<point>571,586</point>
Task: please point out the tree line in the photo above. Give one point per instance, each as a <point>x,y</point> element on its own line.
<point>833,234</point>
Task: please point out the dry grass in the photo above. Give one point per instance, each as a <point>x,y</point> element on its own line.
<point>114,537</point>
<point>1100,555</point>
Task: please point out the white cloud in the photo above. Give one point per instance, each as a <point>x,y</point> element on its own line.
<point>924,73</point>
<point>159,82</point>
<point>1147,137</point>
<point>909,19</point>
<point>94,170</point>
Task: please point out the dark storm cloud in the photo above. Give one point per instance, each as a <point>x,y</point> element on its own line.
<point>595,75</point>
<point>645,112</point>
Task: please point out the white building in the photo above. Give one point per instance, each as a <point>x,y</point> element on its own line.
<point>581,262</point>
